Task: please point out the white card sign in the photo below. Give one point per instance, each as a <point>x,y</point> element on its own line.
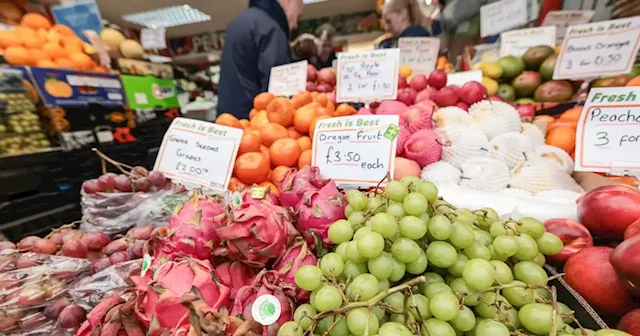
<point>356,150</point>
<point>288,79</point>
<point>153,38</point>
<point>199,152</point>
<point>600,49</point>
<point>516,42</point>
<point>461,78</point>
<point>420,53</point>
<point>607,138</point>
<point>366,76</point>
<point>502,15</point>
<point>564,18</point>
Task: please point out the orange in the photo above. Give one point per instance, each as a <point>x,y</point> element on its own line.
<point>312,128</point>
<point>279,174</point>
<point>54,50</point>
<point>9,39</point>
<point>35,21</point>
<point>72,44</point>
<point>259,119</point>
<point>272,132</point>
<point>30,41</point>
<point>236,185</point>
<point>562,137</point>
<point>304,142</point>
<point>98,68</point>
<point>227,119</point>
<point>314,94</point>
<point>322,99</point>
<point>261,101</point>
<point>285,152</point>
<point>344,110</point>
<point>81,60</point>
<point>251,168</point>
<point>244,123</point>
<point>293,133</point>
<point>250,142</point>
<point>545,117</point>
<point>301,99</point>
<point>252,113</point>
<point>269,175</point>
<point>22,32</point>
<point>17,56</point>
<point>45,63</point>
<point>271,187</point>
<point>38,55</point>
<point>635,81</point>
<point>562,123</point>
<point>572,114</point>
<point>303,117</point>
<point>280,111</point>
<point>64,63</point>
<point>304,159</point>
<point>265,151</point>
<point>63,30</point>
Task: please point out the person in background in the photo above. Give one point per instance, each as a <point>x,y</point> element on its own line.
<point>255,41</point>
<point>402,18</point>
<point>305,48</point>
<point>325,34</point>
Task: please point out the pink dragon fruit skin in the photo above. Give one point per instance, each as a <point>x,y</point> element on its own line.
<point>235,275</point>
<point>318,210</point>
<point>298,182</point>
<point>423,147</point>
<point>403,136</point>
<point>255,233</point>
<point>296,256</point>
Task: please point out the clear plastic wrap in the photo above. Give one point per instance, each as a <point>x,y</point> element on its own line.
<point>115,279</point>
<point>13,259</point>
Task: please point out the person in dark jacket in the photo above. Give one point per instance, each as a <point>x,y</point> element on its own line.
<point>255,41</point>
<point>402,18</point>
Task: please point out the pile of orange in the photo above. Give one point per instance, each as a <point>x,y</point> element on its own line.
<point>277,137</point>
<point>561,131</point>
<point>38,42</point>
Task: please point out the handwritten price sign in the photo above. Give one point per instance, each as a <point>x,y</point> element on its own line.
<point>420,53</point>
<point>516,42</point>
<point>367,76</point>
<point>288,79</point>
<point>356,150</point>
<point>608,135</point>
<point>502,15</point>
<point>564,18</point>
<point>198,152</point>
<point>606,48</point>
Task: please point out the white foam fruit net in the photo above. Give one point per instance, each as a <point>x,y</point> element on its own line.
<point>558,194</point>
<point>448,116</point>
<point>555,155</point>
<point>511,148</point>
<point>542,175</point>
<point>441,173</point>
<point>485,173</point>
<point>534,134</point>
<point>515,192</point>
<point>465,144</point>
<point>495,118</point>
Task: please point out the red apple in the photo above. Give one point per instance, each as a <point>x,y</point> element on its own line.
<point>402,83</point>
<point>472,92</point>
<point>574,236</point>
<point>626,261</point>
<point>608,210</point>
<point>463,106</point>
<point>311,86</point>
<point>323,87</point>
<point>438,79</point>
<point>445,97</point>
<point>419,82</point>
<point>591,274</point>
<point>526,111</point>
<point>630,322</point>
<point>327,76</point>
<point>632,230</point>
<point>426,94</point>
<point>495,98</point>
<point>407,96</point>
<point>311,73</point>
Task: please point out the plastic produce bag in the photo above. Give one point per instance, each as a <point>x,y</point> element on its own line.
<point>115,279</point>
<point>14,259</point>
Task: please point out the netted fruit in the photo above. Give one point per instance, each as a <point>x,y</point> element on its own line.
<point>510,148</point>
<point>555,155</point>
<point>466,144</point>
<point>495,118</point>
<point>451,116</point>
<point>418,117</point>
<point>534,134</point>
<point>542,175</point>
<point>423,147</point>
<point>441,172</point>
<point>485,174</point>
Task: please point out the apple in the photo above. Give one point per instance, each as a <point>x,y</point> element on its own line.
<point>632,230</point>
<point>426,94</point>
<point>472,92</point>
<point>311,86</point>
<point>402,83</point>
<point>323,87</point>
<point>327,76</point>
<point>630,322</point>
<point>407,96</point>
<point>526,111</point>
<point>625,260</point>
<point>419,82</point>
<point>574,236</point>
<point>495,98</point>
<point>438,79</point>
<point>608,210</point>
<point>591,274</point>
<point>311,73</point>
<point>445,97</point>
<point>462,105</point>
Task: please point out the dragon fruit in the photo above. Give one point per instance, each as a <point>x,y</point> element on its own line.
<point>265,283</point>
<point>403,136</point>
<point>235,275</point>
<point>296,183</point>
<point>423,147</point>
<point>254,233</point>
<point>318,210</point>
<point>111,317</point>
<point>248,196</point>
<point>296,256</point>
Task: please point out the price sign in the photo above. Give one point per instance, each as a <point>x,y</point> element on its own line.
<point>461,78</point>
<point>153,38</point>
<point>564,18</point>
<point>606,48</point>
<point>420,53</point>
<point>288,79</point>
<point>198,152</point>
<point>502,15</point>
<point>367,76</point>
<point>608,135</point>
<point>356,150</point>
<point>516,42</point>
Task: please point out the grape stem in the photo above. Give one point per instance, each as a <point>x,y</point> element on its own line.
<point>118,165</point>
<point>554,304</point>
<point>501,287</point>
<point>66,226</point>
<point>333,325</point>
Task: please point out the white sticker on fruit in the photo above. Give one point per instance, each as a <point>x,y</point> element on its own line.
<point>461,78</point>
<point>289,79</point>
<point>266,309</point>
<point>600,49</point>
<point>356,150</point>
<point>366,76</point>
<point>517,42</point>
<point>608,134</point>
<point>198,152</point>
<point>502,15</point>
<point>562,19</point>
<point>419,53</point>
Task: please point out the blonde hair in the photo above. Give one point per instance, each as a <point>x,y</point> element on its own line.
<point>413,10</point>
